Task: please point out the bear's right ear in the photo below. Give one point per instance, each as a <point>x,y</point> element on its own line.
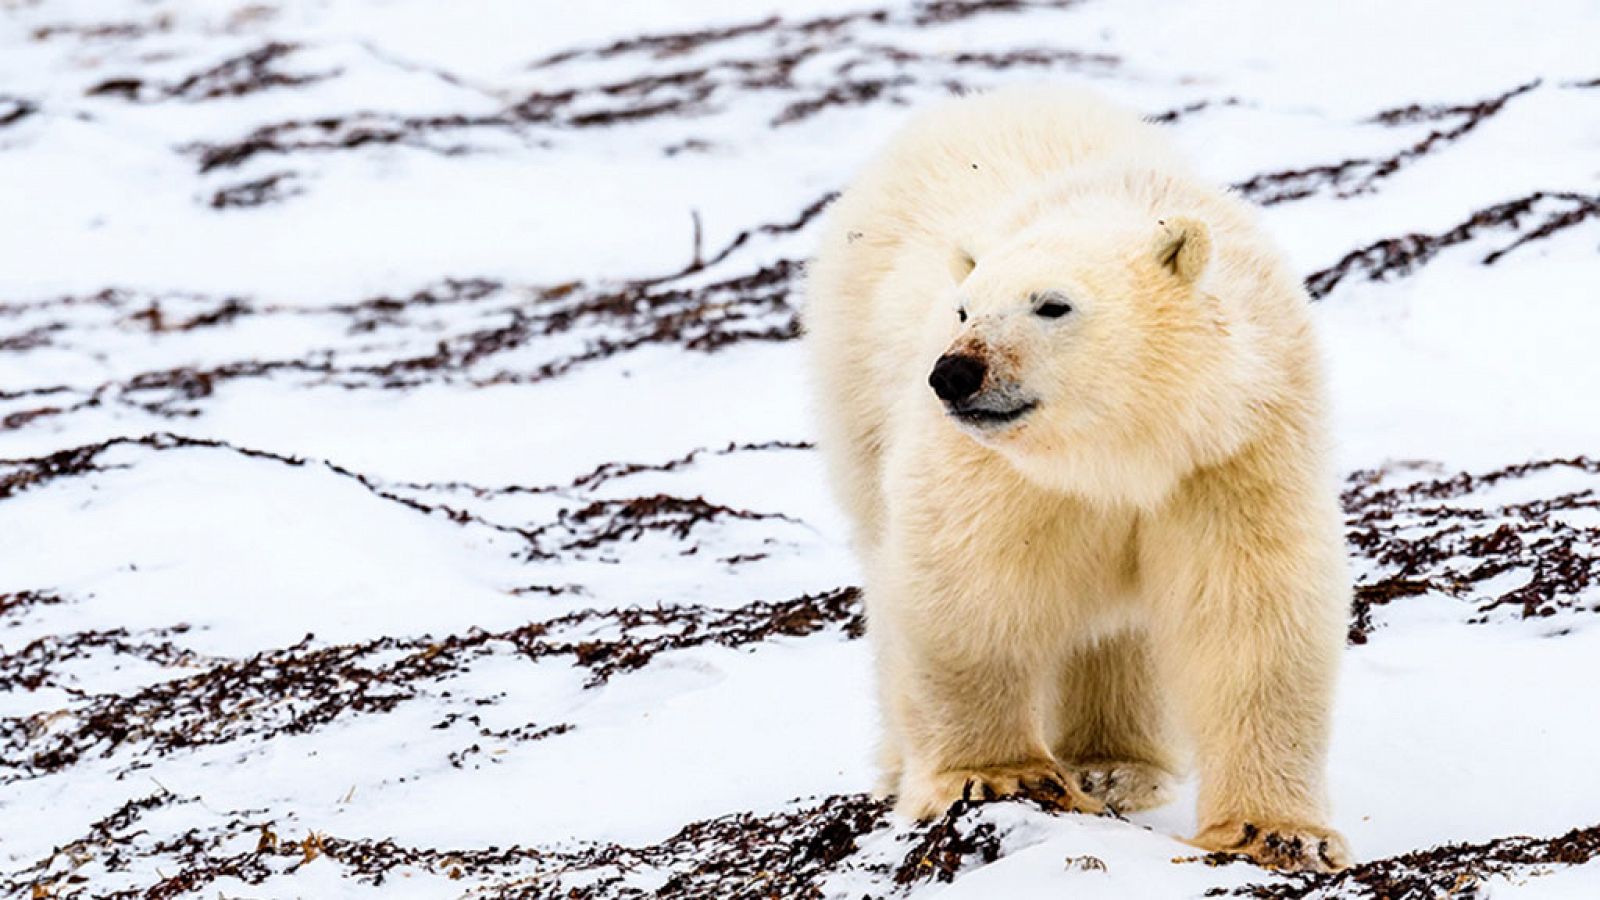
<point>1183,247</point>
<point>961,264</point>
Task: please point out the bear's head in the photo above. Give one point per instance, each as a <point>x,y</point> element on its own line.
<point>1088,353</point>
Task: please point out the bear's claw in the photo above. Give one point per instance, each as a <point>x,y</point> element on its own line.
<point>1044,783</point>
<point>1123,786</point>
<point>1286,847</point>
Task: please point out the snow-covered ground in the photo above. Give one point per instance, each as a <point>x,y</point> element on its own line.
<point>405,478</point>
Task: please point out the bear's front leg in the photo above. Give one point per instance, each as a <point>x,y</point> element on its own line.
<point>1251,581</point>
<point>971,729</point>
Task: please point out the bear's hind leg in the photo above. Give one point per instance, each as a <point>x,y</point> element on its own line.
<point>1110,727</point>
<point>972,732</point>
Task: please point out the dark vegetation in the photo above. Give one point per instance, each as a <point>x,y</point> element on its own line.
<point>300,688</point>
<point>1415,533</point>
<point>1440,536</point>
<point>1534,217</point>
<point>1361,175</point>
<point>850,60</point>
<point>249,73</point>
<point>567,325</point>
<point>1452,870</point>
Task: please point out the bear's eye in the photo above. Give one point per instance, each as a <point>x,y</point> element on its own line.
<point>961,314</point>
<point>1053,308</point>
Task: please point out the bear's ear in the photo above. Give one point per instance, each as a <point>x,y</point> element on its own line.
<point>961,264</point>
<point>1183,247</point>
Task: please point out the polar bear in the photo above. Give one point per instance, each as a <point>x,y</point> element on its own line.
<point>1071,398</point>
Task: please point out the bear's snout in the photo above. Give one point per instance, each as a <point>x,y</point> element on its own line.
<point>955,378</point>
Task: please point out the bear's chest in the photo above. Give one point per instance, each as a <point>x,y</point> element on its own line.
<point>1012,550</point>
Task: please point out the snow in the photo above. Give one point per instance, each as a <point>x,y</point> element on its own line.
<point>358,410</point>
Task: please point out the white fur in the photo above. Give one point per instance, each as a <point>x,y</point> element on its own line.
<point>1159,535</point>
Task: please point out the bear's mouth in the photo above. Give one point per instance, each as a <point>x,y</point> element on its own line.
<point>988,416</point>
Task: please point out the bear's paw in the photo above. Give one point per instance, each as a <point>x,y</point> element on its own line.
<point>1044,782</point>
<point>1122,785</point>
<point>1283,846</point>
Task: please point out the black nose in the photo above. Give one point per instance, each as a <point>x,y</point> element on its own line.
<point>955,378</point>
